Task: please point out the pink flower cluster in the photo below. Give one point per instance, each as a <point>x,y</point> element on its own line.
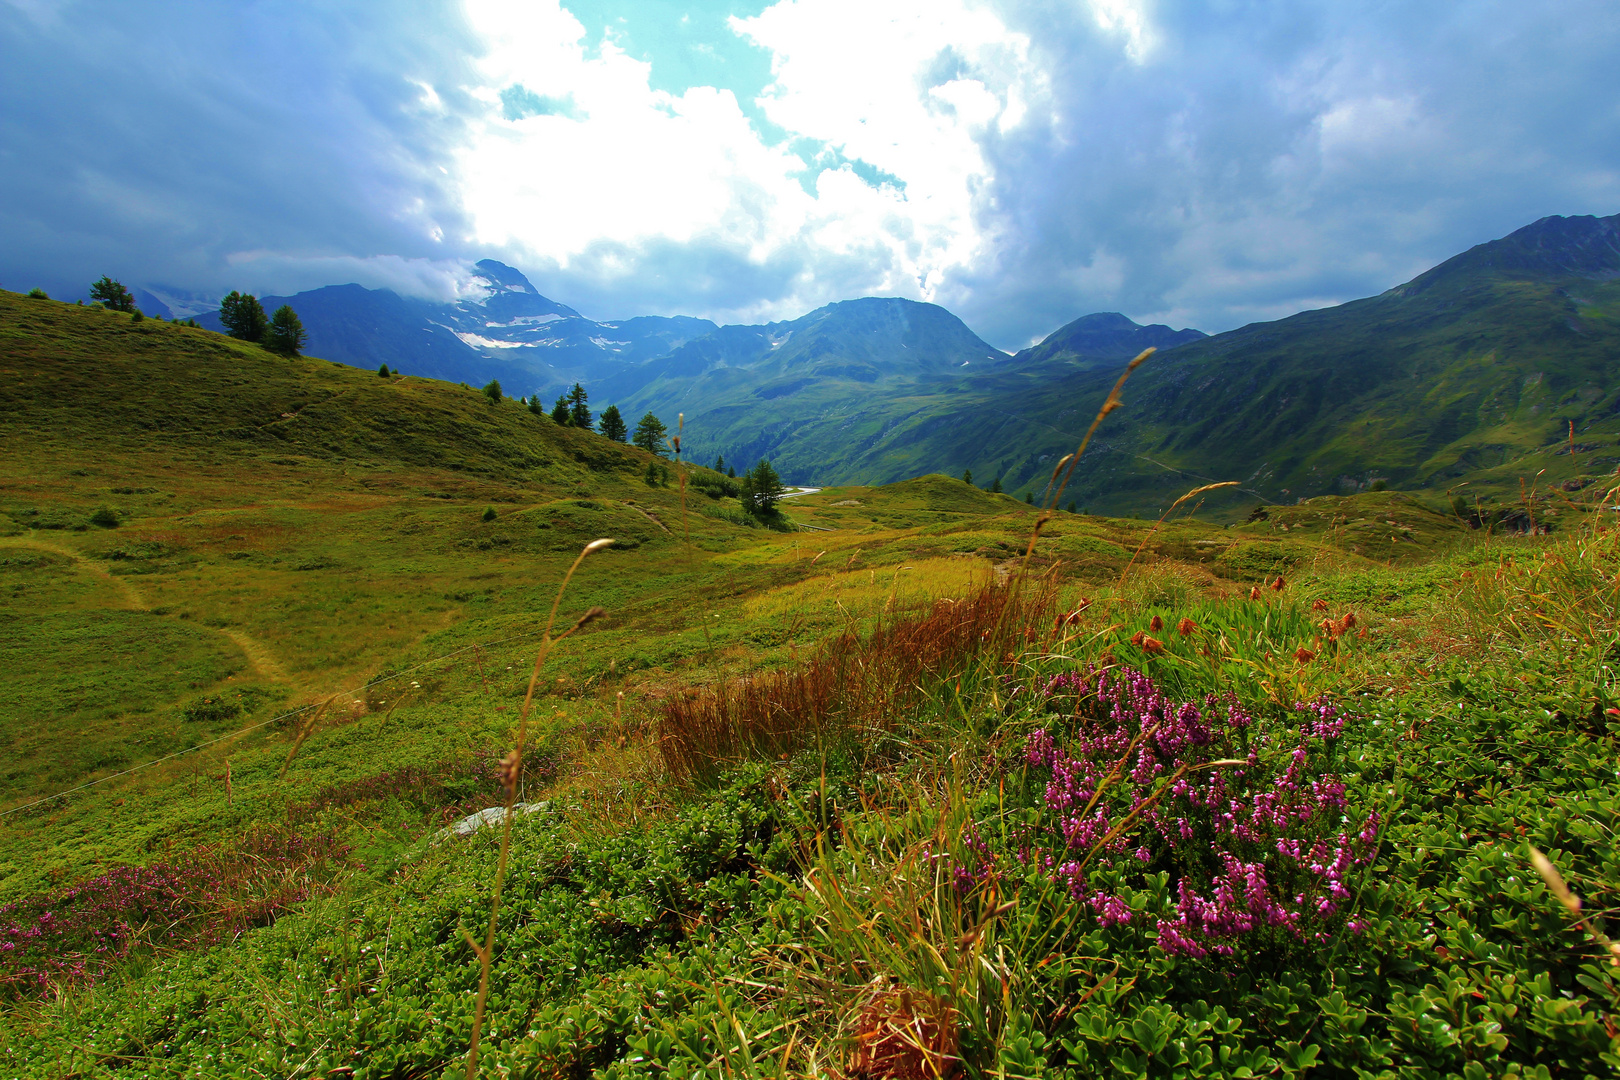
<point>76,935</point>
<point>1245,815</point>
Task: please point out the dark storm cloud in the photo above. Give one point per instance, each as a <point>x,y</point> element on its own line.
<point>1268,157</point>
<point>1256,158</point>
<point>155,141</point>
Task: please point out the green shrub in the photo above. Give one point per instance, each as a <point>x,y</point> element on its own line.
<point>105,517</point>
<point>209,709</point>
<point>489,513</point>
<point>37,294</point>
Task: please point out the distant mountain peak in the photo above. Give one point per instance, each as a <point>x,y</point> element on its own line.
<point>1553,247</point>
<point>1103,337</point>
<point>501,276</point>
<point>1104,320</point>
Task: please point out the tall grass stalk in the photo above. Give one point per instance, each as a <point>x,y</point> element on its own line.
<point>1110,403</point>
<point>511,771</point>
<point>1572,903</point>
<point>1149,535</point>
<point>1066,466</point>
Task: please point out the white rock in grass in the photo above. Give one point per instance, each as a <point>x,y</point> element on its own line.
<point>473,822</point>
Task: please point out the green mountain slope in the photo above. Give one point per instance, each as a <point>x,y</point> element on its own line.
<point>1475,371</point>
<point>1094,341</point>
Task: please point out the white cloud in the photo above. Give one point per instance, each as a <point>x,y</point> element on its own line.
<point>1126,18</point>
<point>902,92</point>
<point>442,280</point>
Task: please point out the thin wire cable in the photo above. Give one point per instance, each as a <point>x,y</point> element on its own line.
<point>265,723</point>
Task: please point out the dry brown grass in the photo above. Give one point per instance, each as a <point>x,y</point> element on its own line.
<point>854,682</point>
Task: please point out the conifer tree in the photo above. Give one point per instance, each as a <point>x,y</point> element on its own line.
<point>493,391</point>
<point>243,316</point>
<point>995,486</point>
<point>112,294</point>
<point>285,334</point>
<point>612,424</point>
<point>650,434</point>
<point>559,411</point>
<point>761,490</point>
<point>578,415</point>
<point>967,476</point>
<point>535,406</point>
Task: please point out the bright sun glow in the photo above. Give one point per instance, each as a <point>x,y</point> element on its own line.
<point>894,98</point>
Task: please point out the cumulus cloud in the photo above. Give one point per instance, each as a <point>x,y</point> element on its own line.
<point>1021,162</point>
<point>1214,167</point>
<point>869,185</point>
<point>442,280</point>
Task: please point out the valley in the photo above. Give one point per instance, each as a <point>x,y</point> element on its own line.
<point>271,625</point>
<point>1487,367</point>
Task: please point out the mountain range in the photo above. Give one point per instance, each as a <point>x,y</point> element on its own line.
<point>1495,354</point>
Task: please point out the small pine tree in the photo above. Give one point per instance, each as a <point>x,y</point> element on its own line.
<point>492,390</point>
<point>535,406</point>
<point>761,490</point>
<point>285,334</point>
<point>967,476</point>
<point>731,472</point>
<point>1029,499</point>
<point>243,316</point>
<point>489,513</point>
<point>1074,507</point>
<point>112,294</point>
<point>995,486</point>
<point>559,411</point>
<point>137,315</point>
<point>578,415</point>
<point>382,372</point>
<point>657,475</point>
<point>650,434</point>
<point>612,424</point>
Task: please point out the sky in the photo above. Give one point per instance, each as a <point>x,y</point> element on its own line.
<point>1021,163</point>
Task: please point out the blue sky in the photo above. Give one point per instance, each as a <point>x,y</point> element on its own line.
<point>1205,164</point>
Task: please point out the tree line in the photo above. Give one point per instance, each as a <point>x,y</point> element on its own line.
<point>243,317</point>
<point>759,489</point>
<point>241,314</point>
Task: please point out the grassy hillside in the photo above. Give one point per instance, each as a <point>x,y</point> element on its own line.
<point>874,797</point>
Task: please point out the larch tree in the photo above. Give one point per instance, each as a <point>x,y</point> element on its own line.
<point>650,434</point>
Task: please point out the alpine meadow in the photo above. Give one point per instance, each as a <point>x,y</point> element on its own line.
<point>839,539</point>
<point>362,724</point>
